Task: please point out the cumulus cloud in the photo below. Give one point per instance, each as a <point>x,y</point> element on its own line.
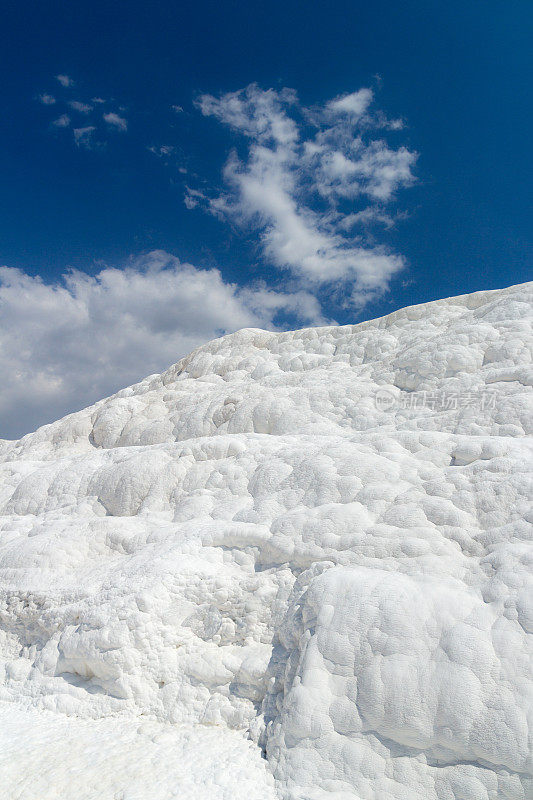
<point>65,81</point>
<point>66,344</point>
<point>47,99</point>
<point>304,171</point>
<point>116,121</point>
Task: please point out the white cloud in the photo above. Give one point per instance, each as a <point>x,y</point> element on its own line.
<point>305,171</point>
<point>116,121</point>
<point>67,344</point>
<point>193,198</point>
<point>65,80</point>
<point>162,150</point>
<point>84,137</point>
<point>259,114</point>
<point>370,169</point>
<point>83,108</point>
<point>370,216</point>
<point>176,109</point>
<point>62,122</point>
<point>356,103</point>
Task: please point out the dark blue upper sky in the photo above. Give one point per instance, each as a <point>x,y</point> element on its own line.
<point>458,73</point>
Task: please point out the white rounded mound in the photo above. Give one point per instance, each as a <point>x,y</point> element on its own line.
<point>320,541</point>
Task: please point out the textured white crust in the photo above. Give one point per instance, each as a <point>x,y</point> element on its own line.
<point>319,539</point>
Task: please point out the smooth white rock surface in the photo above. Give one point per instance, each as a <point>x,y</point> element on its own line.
<point>314,545</point>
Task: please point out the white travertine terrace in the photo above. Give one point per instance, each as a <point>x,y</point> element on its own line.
<point>314,546</point>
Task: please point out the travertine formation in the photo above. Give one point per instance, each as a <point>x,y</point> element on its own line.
<point>318,542</point>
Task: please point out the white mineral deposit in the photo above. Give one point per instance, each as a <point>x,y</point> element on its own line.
<point>294,565</point>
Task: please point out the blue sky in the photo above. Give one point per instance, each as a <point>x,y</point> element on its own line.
<point>207,166</point>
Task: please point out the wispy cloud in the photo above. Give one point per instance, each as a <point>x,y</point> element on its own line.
<point>194,198</point>
<point>83,108</point>
<point>162,150</point>
<point>65,81</point>
<point>304,171</point>
<point>98,123</point>
<point>355,104</point>
<point>66,344</point>
<point>176,109</point>
<point>371,216</point>
<point>116,121</point>
<point>84,137</point>
<point>62,122</point>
